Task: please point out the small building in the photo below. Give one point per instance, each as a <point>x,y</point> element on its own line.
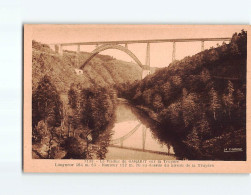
<point>79,71</point>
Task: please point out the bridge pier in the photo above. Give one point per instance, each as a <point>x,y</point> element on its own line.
<point>202,45</point>
<point>77,56</point>
<point>174,51</point>
<point>146,69</point>
<point>126,46</point>
<point>148,55</point>
<point>60,49</point>
<point>54,47</point>
<point>143,137</point>
<point>78,49</point>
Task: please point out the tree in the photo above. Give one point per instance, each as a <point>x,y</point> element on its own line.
<point>157,102</point>
<point>228,99</point>
<point>176,80</point>
<point>240,97</point>
<point>72,96</point>
<point>214,101</point>
<point>46,106</point>
<point>167,91</point>
<point>205,75</point>
<point>190,109</point>
<point>193,143</point>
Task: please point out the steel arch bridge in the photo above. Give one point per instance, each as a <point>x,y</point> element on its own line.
<point>105,47</point>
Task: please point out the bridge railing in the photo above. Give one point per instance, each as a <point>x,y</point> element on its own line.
<point>126,42</point>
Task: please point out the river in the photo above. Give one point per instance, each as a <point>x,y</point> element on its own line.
<point>134,138</point>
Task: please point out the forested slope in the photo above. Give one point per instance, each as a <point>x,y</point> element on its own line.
<point>72,115</point>
<point>201,100</point>
<point>102,70</point>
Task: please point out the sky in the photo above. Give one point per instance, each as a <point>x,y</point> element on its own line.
<point>160,53</point>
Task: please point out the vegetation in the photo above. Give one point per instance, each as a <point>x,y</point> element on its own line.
<point>198,104</point>
<point>46,116</point>
<point>72,115</point>
<point>101,71</point>
<point>92,115</point>
<point>83,131</point>
<point>201,100</point>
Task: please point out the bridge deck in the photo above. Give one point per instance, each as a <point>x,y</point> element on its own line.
<point>144,41</point>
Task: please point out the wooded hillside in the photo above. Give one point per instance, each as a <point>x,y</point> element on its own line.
<point>201,100</point>
<point>102,70</point>
<point>72,114</point>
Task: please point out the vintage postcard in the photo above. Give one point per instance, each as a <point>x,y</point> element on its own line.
<point>136,98</point>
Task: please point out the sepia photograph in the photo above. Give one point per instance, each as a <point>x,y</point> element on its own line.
<point>125,97</point>
<point>138,92</point>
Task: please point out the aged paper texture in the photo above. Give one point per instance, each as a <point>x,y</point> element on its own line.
<point>136,98</point>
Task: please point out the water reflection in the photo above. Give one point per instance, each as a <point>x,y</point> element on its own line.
<point>135,136</point>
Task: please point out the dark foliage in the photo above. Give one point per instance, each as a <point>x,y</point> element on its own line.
<point>85,116</point>
<point>201,100</point>
<point>46,118</point>
<point>93,108</point>
<point>46,106</point>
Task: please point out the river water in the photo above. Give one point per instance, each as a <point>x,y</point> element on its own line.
<point>133,137</point>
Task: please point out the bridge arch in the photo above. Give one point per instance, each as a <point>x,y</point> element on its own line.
<point>105,47</point>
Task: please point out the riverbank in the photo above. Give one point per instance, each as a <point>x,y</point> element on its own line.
<point>150,113</point>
